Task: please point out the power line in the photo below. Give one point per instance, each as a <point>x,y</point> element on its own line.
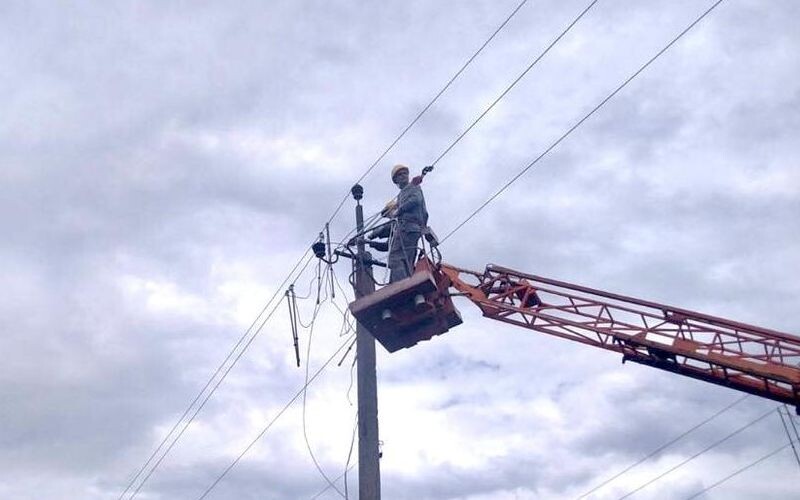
<point>736,473</point>
<point>303,391</point>
<point>427,106</point>
<point>701,452</point>
<point>209,382</point>
<point>331,218</point>
<point>214,389</point>
<point>335,212</point>
<point>514,83</point>
<point>792,419</point>
<point>274,419</point>
<point>580,122</point>
<point>665,445</point>
<point>788,433</point>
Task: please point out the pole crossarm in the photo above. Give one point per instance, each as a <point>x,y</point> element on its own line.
<point>724,352</point>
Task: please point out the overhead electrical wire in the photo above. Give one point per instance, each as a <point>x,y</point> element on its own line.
<point>428,106</point>
<point>665,445</point>
<point>581,121</point>
<point>171,433</point>
<point>205,400</point>
<point>699,453</point>
<point>792,421</point>
<point>274,419</point>
<point>514,83</point>
<point>558,141</point>
<point>739,471</point>
<point>302,392</point>
<point>336,211</point>
<point>788,432</point>
<point>208,384</point>
<point>300,260</point>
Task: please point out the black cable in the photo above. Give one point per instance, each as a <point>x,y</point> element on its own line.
<point>305,393</point>
<point>789,434</point>
<point>580,122</point>
<point>208,396</point>
<point>425,109</point>
<point>272,422</point>
<point>209,382</point>
<point>665,445</point>
<point>350,455</point>
<point>736,473</point>
<point>792,421</point>
<point>514,83</point>
<point>701,452</point>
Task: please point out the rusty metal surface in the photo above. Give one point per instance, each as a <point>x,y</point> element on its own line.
<point>744,357</point>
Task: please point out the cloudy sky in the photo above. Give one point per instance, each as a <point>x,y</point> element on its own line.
<point>165,164</point>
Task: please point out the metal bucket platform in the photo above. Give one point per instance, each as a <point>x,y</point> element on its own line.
<point>404,313</point>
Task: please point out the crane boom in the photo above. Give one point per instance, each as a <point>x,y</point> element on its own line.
<point>736,355</point>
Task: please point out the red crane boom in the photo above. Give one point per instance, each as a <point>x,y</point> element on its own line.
<point>743,357</point>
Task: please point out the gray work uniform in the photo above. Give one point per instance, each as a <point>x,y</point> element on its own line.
<point>412,218</point>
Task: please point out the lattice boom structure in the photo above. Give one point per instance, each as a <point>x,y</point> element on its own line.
<point>743,357</point>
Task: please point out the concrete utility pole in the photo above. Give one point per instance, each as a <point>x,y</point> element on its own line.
<point>369,468</point>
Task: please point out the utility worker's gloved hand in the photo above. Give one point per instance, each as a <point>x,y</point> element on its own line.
<point>390,210</point>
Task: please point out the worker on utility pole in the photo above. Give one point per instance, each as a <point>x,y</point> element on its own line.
<point>411,219</point>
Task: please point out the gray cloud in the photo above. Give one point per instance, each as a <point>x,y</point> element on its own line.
<point>162,166</point>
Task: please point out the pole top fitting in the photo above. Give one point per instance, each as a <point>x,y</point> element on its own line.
<point>358,192</point>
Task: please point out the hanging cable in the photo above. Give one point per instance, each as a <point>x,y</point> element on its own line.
<point>514,83</point>
<point>580,122</point>
<point>701,452</point>
<point>310,289</point>
<point>350,454</point>
<point>739,471</point>
<point>244,344</point>
<point>428,106</point>
<point>352,378</point>
<point>305,394</point>
<point>274,419</point>
<point>665,445</point>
